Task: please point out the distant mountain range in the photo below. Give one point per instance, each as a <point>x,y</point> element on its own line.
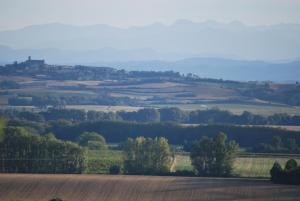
<point>229,51</point>
<point>235,40</point>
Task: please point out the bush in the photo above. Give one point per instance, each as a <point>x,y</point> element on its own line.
<point>115,169</point>
<point>56,199</point>
<point>184,173</point>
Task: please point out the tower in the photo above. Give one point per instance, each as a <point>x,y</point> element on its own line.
<point>29,58</point>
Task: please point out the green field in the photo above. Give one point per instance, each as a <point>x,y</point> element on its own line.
<point>100,161</point>
<point>243,167</point>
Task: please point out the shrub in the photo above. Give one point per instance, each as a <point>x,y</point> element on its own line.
<point>56,199</point>
<point>114,169</point>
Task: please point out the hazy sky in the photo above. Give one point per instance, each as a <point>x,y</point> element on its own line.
<point>19,13</point>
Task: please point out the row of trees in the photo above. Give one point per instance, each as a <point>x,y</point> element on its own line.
<point>278,145</point>
<point>116,132</point>
<point>209,156</point>
<point>62,101</point>
<point>21,151</point>
<point>212,116</point>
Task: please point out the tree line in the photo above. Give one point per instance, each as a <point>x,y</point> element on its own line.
<point>116,132</point>
<point>210,156</point>
<point>279,145</point>
<point>210,116</point>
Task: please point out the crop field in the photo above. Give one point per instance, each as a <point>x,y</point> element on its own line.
<point>37,187</point>
<point>244,166</point>
<point>103,108</point>
<point>100,161</point>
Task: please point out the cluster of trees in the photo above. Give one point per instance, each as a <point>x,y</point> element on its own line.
<point>210,156</point>
<point>23,152</point>
<point>147,156</point>
<point>277,145</point>
<point>289,175</point>
<point>214,156</point>
<point>92,140</point>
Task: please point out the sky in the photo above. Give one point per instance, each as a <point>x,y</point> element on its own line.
<point>16,14</point>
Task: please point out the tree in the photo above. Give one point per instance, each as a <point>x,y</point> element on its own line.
<point>2,128</point>
<point>277,142</point>
<point>214,156</point>
<point>290,164</point>
<point>276,172</point>
<point>115,169</point>
<point>147,156</point>
<point>92,140</point>
<point>56,199</point>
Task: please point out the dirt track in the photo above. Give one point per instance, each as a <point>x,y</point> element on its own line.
<point>28,187</point>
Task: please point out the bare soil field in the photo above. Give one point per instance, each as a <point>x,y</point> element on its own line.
<point>37,187</point>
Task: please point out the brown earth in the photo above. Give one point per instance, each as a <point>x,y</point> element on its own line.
<point>37,187</point>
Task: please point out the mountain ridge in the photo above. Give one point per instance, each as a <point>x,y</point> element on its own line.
<point>271,42</point>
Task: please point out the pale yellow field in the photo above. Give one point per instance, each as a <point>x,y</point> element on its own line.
<point>243,166</point>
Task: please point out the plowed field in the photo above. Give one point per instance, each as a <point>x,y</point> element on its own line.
<point>27,187</point>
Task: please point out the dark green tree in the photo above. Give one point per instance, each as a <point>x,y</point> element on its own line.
<point>147,156</point>
<point>290,164</point>
<point>276,172</point>
<point>56,199</point>
<point>214,156</point>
